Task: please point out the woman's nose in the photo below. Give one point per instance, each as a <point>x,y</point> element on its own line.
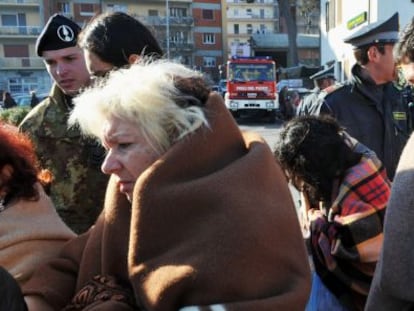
<point>110,164</point>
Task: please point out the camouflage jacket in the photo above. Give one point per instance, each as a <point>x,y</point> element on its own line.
<point>79,185</point>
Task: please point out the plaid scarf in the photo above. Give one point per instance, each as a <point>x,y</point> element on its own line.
<point>346,243</point>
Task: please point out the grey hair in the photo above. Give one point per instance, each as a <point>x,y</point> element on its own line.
<point>144,94</point>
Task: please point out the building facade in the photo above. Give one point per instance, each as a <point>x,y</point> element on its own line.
<point>193,30</point>
<point>256,28</point>
<point>20,69</point>
<point>208,38</point>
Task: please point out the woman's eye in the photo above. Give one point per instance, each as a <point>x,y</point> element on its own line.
<point>124,145</point>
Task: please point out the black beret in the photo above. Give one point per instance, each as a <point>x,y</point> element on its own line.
<point>379,32</point>
<point>323,74</point>
<point>58,33</point>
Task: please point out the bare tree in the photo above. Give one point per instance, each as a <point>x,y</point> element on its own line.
<point>292,31</point>
<point>287,12</point>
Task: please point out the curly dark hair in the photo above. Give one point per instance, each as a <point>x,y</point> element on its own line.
<point>312,150</point>
<point>17,151</point>
<point>404,48</point>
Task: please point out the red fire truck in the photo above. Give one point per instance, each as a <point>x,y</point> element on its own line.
<point>251,87</point>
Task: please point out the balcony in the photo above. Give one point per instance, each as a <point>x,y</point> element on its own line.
<point>18,63</point>
<point>179,46</point>
<point>186,21</point>
<point>252,17</point>
<point>18,31</point>
<point>254,2</point>
<point>20,3</point>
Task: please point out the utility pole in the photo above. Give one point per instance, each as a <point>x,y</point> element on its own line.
<point>167,25</point>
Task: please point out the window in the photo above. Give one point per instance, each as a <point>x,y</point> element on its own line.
<point>249,12</point>
<point>249,29</point>
<point>86,9</point>
<point>13,19</point>
<point>17,23</point>
<point>63,7</point>
<point>178,12</point>
<point>9,20</point>
<point>209,61</point>
<point>330,15</point>
<point>22,85</point>
<point>179,37</point>
<point>236,29</point>
<point>209,38</point>
<point>152,12</point>
<point>16,50</point>
<point>208,14</point>
<point>110,7</point>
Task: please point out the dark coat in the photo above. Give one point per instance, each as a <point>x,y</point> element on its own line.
<point>373,114</point>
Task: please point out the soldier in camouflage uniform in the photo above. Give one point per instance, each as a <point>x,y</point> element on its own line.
<point>79,185</point>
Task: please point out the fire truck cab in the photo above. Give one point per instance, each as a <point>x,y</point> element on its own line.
<point>251,87</point>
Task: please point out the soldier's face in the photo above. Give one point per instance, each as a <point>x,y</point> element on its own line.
<point>67,68</point>
<point>408,70</point>
<point>128,153</point>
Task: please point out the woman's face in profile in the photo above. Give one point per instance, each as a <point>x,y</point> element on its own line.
<point>96,67</point>
<point>128,153</point>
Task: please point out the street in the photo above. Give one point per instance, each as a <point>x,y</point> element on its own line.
<point>269,131</point>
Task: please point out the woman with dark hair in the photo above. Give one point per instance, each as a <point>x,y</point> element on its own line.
<point>114,40</point>
<point>344,191</point>
<point>30,229</point>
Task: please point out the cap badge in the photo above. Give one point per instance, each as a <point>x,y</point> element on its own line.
<point>65,33</point>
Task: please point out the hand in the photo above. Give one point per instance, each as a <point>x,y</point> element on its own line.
<point>314,214</point>
<point>37,303</point>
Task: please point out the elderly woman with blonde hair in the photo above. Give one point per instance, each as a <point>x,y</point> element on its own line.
<point>198,215</point>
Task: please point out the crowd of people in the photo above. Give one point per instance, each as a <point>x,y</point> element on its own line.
<point>150,197</point>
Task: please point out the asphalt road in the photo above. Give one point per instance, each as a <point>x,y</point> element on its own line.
<point>269,131</point>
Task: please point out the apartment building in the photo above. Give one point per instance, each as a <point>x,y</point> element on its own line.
<point>245,18</point>
<point>20,24</point>
<point>339,19</point>
<point>208,39</point>
<point>193,29</point>
<point>255,28</point>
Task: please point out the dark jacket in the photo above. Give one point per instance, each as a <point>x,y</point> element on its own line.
<point>373,114</point>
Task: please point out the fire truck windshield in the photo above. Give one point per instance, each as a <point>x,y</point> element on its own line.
<point>251,72</point>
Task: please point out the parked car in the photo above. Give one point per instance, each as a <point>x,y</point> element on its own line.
<point>215,88</point>
<point>222,87</point>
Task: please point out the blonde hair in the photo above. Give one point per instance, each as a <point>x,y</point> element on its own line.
<point>146,95</point>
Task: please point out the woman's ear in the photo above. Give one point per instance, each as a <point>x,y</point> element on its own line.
<point>133,59</point>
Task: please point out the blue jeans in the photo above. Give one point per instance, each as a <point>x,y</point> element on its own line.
<point>321,298</point>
